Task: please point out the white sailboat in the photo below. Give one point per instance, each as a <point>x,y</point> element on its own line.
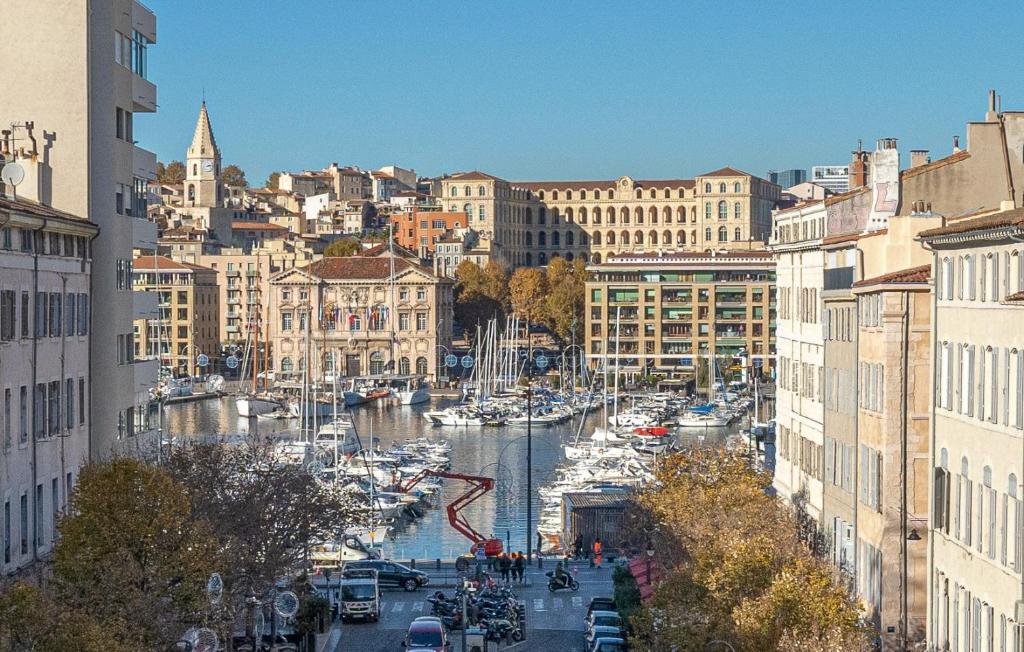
<point>254,402</point>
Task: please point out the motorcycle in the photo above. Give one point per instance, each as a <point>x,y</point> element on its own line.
<point>555,585</point>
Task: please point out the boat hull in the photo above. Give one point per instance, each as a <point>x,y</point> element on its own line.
<point>253,406</point>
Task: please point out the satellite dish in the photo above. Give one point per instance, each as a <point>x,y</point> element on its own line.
<point>13,173</point>
<point>286,604</point>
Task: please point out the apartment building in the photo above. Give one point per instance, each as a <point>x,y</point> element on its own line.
<point>799,392</point>
<point>45,307</point>
<point>530,221</point>
<point>420,231</point>
<point>369,315</point>
<point>976,531</point>
<point>188,321</point>
<point>84,85</point>
<point>675,309</point>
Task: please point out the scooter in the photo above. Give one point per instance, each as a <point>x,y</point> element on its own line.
<point>555,585</point>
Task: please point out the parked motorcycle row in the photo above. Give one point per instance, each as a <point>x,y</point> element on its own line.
<point>492,608</point>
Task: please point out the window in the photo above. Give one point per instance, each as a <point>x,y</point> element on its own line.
<point>7,531</point>
<point>7,316</point>
<point>723,234</point>
<point>481,191</point>
<point>707,187</point>
<point>455,191</point>
<point>707,210</point>
<point>421,321</point>
<point>24,524</point>
<point>23,413</point>
<point>403,321</point>
<point>737,187</point>
<point>421,366</point>
<point>723,210</point>
<point>286,321</point>
<point>736,236</point>
<point>69,403</point>
<point>81,401</point>
<point>7,419</point>
<point>707,234</point>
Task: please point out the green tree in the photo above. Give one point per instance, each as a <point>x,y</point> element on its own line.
<point>233,175</point>
<point>528,291</point>
<point>342,247</point>
<point>480,294</point>
<point>31,620</point>
<point>272,180</point>
<point>132,555</point>
<point>566,299</point>
<point>171,174</point>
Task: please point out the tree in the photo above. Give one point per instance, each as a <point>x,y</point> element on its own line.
<point>480,294</point>
<point>342,247</point>
<point>528,291</point>
<point>32,620</point>
<point>132,555</point>
<point>264,514</point>
<point>171,174</point>
<point>233,175</point>
<point>567,297</point>
<point>272,180</point>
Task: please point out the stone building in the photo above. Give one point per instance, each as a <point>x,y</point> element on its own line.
<point>188,322</point>
<point>46,304</point>
<point>675,309</point>
<point>977,453</point>
<point>370,315</point>
<point>420,231</point>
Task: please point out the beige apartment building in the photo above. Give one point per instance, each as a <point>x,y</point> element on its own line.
<point>45,328</point>
<point>189,315</point>
<point>84,85</point>
<point>675,309</point>
<point>977,439</point>
<point>370,315</point>
<point>530,221</point>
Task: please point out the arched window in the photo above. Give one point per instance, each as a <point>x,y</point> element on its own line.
<point>597,215</point>
<point>529,238</point>
<point>195,169</point>
<point>481,191</point>
<point>639,194</point>
<point>569,239</point>
<point>707,234</point>
<point>542,239</point>
<point>191,192</point>
<point>556,239</point>
<point>596,259</point>
<point>654,194</point>
<point>723,210</point>
<point>554,216</point>
<point>541,195</point>
<point>666,214</point>
<point>455,191</point>
<point>529,215</point>
<point>707,187</point>
<point>723,234</point>
<point>584,240</point>
<point>682,193</point>
<point>611,238</point>
<point>376,363</point>
<point>569,215</point>
<point>568,256</point>
<point>403,366</point>
<point>737,210</point>
<point>736,187</point>
<point>693,236</point>
<point>554,194</point>
<point>638,238</point>
<point>597,194</point>
<point>583,215</point>
<point>721,187</point>
<point>707,210</point>
<point>542,216</point>
<point>652,237</point>
<point>542,258</point>
<point>568,194</point>
<point>468,191</point>
<point>583,194</point>
<point>639,214</point>
<point>286,365</point>
<point>529,258</point>
<point>736,234</point>
<point>468,210</point>
<point>652,213</point>
<point>421,366</point>
<point>597,238</point>
<point>668,194</point>
<point>666,237</point>
<point>624,238</point>
<point>693,213</point>
<point>624,214</point>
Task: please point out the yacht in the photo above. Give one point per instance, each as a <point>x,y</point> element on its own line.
<point>412,392</point>
<point>253,405</point>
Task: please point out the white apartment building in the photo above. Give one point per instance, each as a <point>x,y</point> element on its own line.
<point>977,453</point>
<point>834,178</point>
<point>800,342</point>
<point>45,307</point>
<point>81,78</point>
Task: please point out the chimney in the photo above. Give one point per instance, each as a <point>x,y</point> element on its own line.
<point>858,175</point>
<point>956,144</point>
<point>991,115</point>
<point>885,143</point>
<point>919,157</point>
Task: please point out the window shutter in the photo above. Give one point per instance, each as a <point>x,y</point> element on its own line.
<point>970,381</point>
<point>946,481</point>
<point>981,387</point>
<point>1003,526</point>
<point>957,506</point>
<point>1018,539</point>
<point>968,510</point>
<point>938,515</point>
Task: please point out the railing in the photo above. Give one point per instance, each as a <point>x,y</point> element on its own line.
<point>839,278</point>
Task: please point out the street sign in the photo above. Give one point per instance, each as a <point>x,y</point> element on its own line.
<point>467,361</point>
<point>231,362</point>
<point>202,360</point>
<point>451,360</point>
<point>542,361</point>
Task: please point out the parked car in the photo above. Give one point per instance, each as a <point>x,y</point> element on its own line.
<point>391,574</point>
<point>603,619</point>
<point>600,604</point>
<point>610,644</point>
<point>600,631</point>
<point>426,634</point>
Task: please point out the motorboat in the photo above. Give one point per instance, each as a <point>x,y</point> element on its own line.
<point>253,405</point>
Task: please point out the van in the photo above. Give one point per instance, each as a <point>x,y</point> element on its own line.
<point>359,595</point>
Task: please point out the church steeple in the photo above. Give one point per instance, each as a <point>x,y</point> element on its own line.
<point>202,174</point>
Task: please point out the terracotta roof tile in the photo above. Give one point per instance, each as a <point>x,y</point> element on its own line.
<point>257,226</point>
<point>913,275</point>
<point>359,267</point>
<point>475,175</point>
<point>942,162</point>
<point>1016,296</point>
<point>1002,219</point>
<point>851,237</point>
<point>38,210</point>
<point>163,262</point>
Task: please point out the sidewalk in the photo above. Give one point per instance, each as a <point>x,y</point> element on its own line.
<point>331,639</point>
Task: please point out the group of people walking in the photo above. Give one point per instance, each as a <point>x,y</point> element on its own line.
<point>511,566</point>
<point>597,548</point>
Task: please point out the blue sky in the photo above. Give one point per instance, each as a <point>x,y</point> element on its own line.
<point>574,90</point>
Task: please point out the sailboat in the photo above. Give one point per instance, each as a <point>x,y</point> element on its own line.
<point>254,402</point>
<point>412,390</point>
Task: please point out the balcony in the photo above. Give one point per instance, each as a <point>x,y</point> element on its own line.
<point>839,278</point>
<point>144,21</point>
<point>143,163</point>
<point>234,301</point>
<point>233,273</point>
<point>144,234</point>
<point>231,328</point>
<point>145,375</point>
<point>144,305</point>
<point>143,95</point>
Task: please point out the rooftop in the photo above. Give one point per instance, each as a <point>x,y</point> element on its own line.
<point>942,162</point>
<point>912,276</point>
<point>151,263</point>
<point>36,209</point>
<point>359,267</point>
<point>1001,219</point>
<point>257,226</point>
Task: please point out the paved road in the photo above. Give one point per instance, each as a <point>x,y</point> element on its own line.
<point>554,621</point>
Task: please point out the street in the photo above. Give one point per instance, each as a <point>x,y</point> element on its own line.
<point>554,621</point>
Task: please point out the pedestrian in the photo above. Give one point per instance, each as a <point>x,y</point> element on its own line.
<point>505,566</point>
<point>597,552</point>
<point>540,540</point>
<point>577,547</point>
<point>519,566</point>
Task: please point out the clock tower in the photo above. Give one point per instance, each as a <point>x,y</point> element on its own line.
<point>202,166</point>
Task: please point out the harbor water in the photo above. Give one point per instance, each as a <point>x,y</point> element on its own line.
<point>499,453</point>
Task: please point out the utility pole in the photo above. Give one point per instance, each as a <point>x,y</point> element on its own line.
<point>529,449</point>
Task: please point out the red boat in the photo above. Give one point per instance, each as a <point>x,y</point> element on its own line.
<point>651,431</point>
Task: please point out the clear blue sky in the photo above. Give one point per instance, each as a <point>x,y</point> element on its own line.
<point>574,90</point>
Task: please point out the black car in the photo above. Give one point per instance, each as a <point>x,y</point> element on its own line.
<point>391,574</point>
<point>600,604</point>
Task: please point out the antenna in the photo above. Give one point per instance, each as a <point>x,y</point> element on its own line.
<point>12,174</point>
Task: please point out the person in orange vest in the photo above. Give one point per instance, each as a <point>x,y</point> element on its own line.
<point>597,552</point>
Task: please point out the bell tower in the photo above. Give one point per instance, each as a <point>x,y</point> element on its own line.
<point>202,166</point>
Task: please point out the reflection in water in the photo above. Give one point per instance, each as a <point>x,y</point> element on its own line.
<point>499,453</point>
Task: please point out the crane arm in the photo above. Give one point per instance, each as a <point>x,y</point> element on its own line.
<point>479,485</point>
